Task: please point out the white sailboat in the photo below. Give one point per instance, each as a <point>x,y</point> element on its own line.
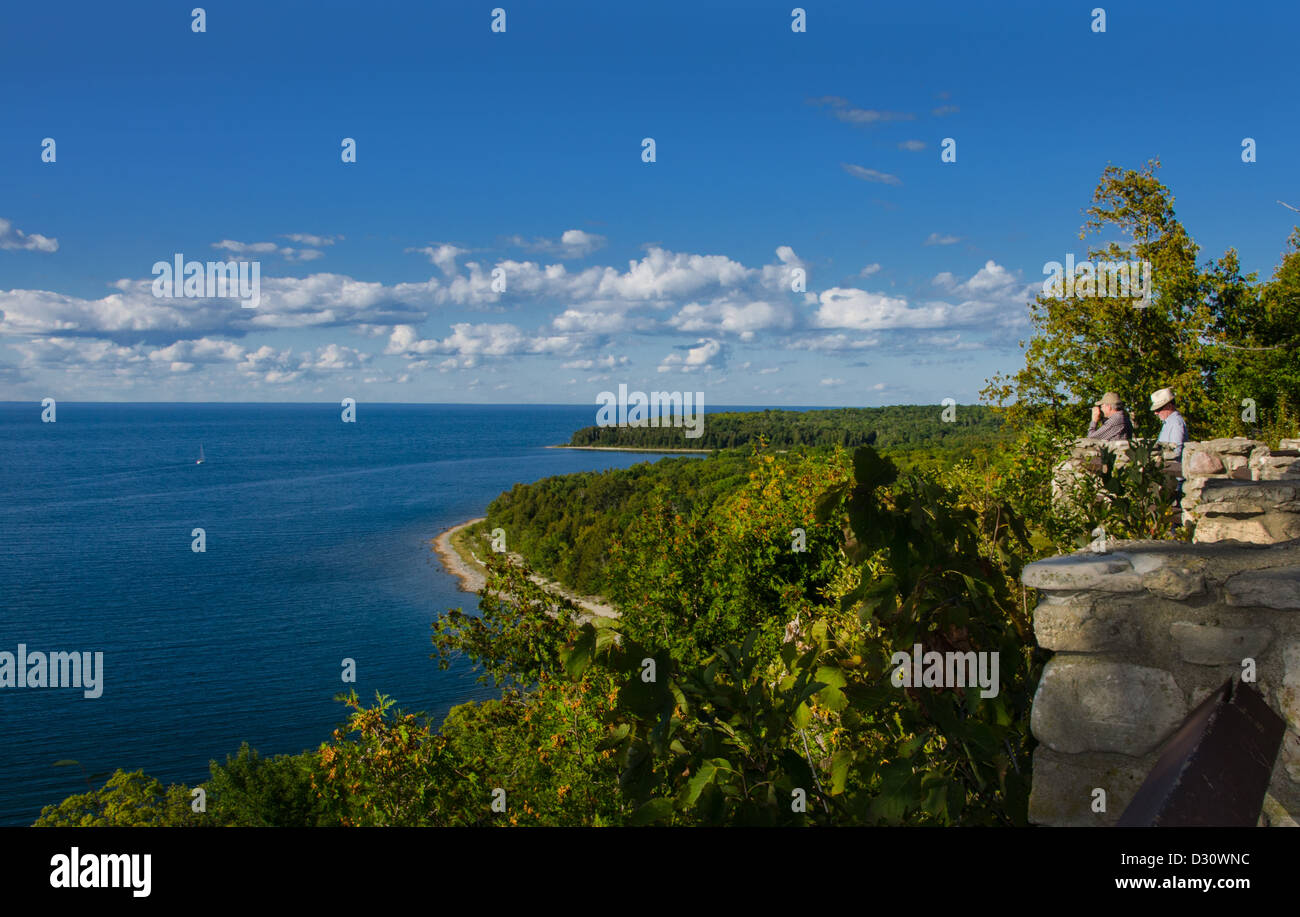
<point>200,461</point>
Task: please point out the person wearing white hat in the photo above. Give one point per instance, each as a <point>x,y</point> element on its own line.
<point>1174,430</point>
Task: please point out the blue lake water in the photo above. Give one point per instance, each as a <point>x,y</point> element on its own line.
<point>317,549</point>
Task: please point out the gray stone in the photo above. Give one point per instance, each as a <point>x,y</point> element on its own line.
<point>1083,570</point>
<point>1237,445</point>
<point>1288,696</point>
<point>1264,528</point>
<point>1275,467</point>
<point>1084,704</point>
<point>1275,587</point>
<point>1274,815</point>
<point>1062,794</point>
<point>1224,496</point>
<point>1085,628</point>
<point>1201,463</point>
<point>1176,583</point>
<point>1290,755</point>
<point>1203,644</point>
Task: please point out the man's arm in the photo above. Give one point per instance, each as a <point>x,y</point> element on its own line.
<point>1112,429</point>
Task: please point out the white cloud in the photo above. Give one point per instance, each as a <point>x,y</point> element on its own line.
<point>936,239</point>
<point>844,110</point>
<point>12,238</point>
<point>267,248</point>
<point>831,342</point>
<point>869,270</point>
<point>992,277</point>
<point>573,243</point>
<point>912,146</point>
<point>467,343</point>
<point>865,174</point>
<point>609,361</point>
<point>860,310</point>
<point>306,238</point>
<point>443,255</point>
<point>706,354</point>
<point>722,316</point>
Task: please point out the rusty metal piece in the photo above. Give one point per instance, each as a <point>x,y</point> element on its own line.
<point>1215,770</point>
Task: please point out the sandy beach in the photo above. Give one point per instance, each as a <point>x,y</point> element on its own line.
<point>470,574</point>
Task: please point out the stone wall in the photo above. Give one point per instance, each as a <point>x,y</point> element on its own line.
<point>1204,467</point>
<point>1264,513</point>
<point>1145,632</point>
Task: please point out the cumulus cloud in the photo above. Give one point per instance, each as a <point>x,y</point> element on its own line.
<point>819,343</point>
<point>268,248</point>
<point>443,255</point>
<point>710,302</point>
<point>141,361</point>
<point>883,178</point>
<point>740,318</point>
<point>469,343</point>
<point>992,298</point>
<point>706,354</point>
<point>12,238</point>
<point>860,310</point>
<point>319,300</point>
<point>573,243</point>
<point>609,361</point>
<point>306,238</point>
<point>990,279</point>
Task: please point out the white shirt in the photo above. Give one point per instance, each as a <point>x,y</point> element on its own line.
<point>1174,430</point>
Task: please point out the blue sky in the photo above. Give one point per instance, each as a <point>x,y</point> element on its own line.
<point>522,150</point>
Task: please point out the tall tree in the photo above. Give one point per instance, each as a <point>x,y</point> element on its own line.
<point>1085,345</point>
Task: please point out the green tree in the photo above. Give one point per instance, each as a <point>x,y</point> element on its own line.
<point>128,799</point>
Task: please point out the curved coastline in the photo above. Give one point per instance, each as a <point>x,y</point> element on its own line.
<point>470,579</point>
<point>473,580</point>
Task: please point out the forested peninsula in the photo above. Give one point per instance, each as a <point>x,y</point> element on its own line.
<point>898,426</point>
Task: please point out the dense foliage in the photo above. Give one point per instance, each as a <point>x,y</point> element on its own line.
<point>886,427</point>
<point>566,526</point>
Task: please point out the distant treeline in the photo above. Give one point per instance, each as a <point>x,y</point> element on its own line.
<point>899,426</point>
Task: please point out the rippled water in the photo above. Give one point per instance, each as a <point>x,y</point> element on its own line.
<point>317,549</point>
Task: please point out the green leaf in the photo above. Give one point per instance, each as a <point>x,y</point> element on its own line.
<point>872,471</point>
<point>840,770</point>
<point>912,745</point>
<point>615,736</point>
<point>653,811</point>
<point>698,781</point>
<point>831,675</point>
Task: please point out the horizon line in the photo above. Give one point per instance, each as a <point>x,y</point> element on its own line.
<point>479,404</point>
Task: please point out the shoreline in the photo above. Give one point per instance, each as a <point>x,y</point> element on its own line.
<point>470,579</point>
<point>626,449</point>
